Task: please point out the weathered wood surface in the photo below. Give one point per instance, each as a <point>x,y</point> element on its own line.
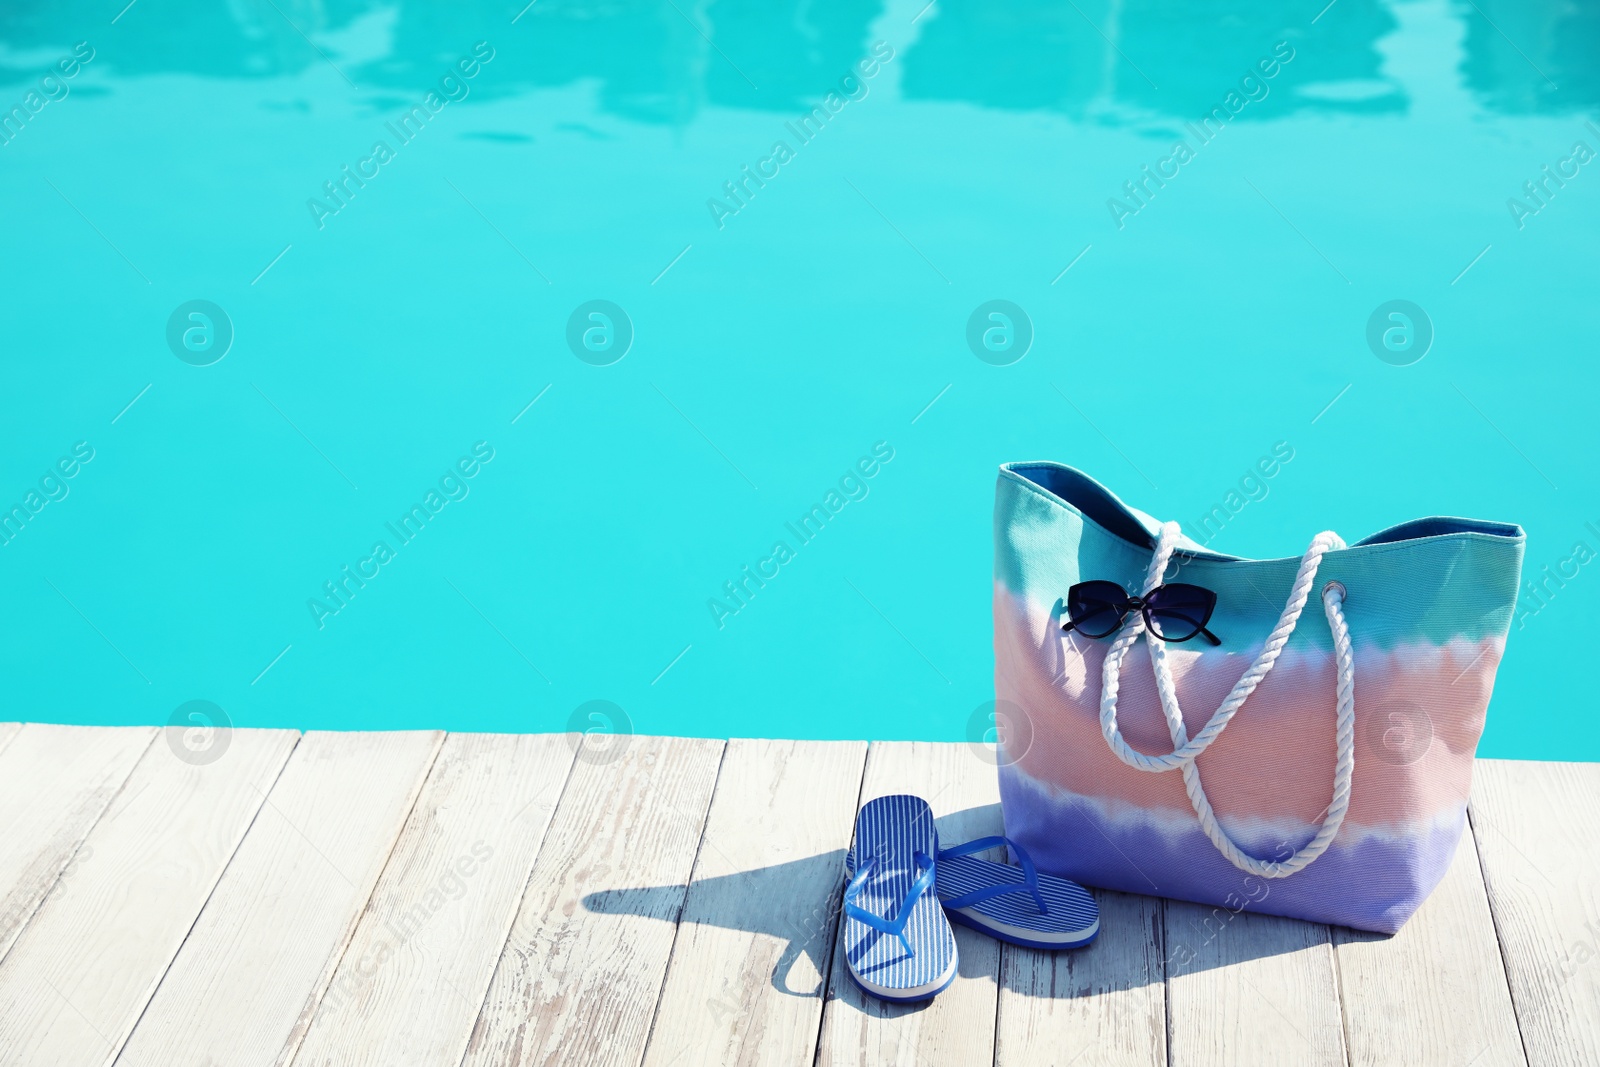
<point>242,989</point>
<point>1437,988</point>
<point>84,966</point>
<point>1246,988</point>
<point>580,975</point>
<point>1538,830</point>
<point>1106,1006</point>
<point>411,982</point>
<point>749,968</point>
<point>956,1028</point>
<point>55,783</point>
<point>479,900</point>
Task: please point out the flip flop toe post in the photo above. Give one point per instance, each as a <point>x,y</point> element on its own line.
<point>1011,903</point>
<point>898,944</point>
<point>1015,903</point>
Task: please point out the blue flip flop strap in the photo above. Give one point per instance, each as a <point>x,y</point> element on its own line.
<point>897,925</point>
<point>1030,874</point>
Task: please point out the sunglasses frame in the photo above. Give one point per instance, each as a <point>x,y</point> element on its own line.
<point>1140,604</point>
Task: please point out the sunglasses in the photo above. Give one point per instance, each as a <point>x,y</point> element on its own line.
<point>1171,612</point>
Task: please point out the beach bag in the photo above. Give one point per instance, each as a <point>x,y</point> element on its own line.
<point>1315,763</point>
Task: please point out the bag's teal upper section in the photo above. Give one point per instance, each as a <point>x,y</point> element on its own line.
<point>1429,580</point>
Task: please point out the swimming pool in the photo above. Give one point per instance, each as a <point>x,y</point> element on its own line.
<point>580,311</point>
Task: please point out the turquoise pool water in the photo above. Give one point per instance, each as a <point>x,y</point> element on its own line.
<point>630,287</point>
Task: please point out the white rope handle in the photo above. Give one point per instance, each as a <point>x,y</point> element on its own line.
<point>1187,750</point>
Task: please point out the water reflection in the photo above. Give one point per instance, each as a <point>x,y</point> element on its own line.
<point>663,62</point>
<point>1554,64</point>
<point>240,39</point>
<point>1160,58</point>
<point>649,63</point>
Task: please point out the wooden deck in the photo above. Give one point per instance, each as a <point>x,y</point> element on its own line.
<point>417,898</point>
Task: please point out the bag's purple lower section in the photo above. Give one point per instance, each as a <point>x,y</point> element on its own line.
<point>1371,880</point>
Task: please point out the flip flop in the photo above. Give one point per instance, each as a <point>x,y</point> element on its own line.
<point>1011,903</point>
<point>898,945</point>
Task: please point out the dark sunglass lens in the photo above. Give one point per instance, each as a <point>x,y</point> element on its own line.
<point>1177,612</point>
<point>1092,606</point>
<point>1097,620</point>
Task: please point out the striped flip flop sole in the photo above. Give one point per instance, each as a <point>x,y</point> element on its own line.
<point>891,831</point>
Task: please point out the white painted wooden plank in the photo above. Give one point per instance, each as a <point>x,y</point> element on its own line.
<point>749,968</point>
<point>55,782</point>
<point>958,1027</point>
<point>1103,1005</point>
<point>1536,826</point>
<point>1245,988</point>
<point>581,973</point>
<point>8,730</point>
<point>84,967</point>
<point>412,979</point>
<point>1436,989</point>
<point>241,990</point>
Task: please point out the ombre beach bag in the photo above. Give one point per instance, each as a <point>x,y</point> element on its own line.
<point>1314,763</point>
